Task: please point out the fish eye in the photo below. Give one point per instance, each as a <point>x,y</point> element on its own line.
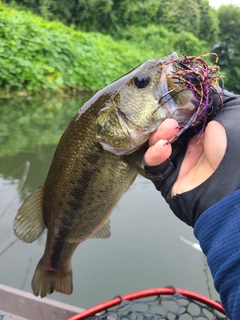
<point>141,80</point>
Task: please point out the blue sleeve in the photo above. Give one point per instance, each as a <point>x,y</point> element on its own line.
<point>218,232</point>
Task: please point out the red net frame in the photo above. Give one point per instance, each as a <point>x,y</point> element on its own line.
<point>191,296</point>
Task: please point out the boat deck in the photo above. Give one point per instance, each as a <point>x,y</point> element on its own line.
<point>16,304</point>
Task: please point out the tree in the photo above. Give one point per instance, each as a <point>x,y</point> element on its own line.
<point>197,17</point>
<point>228,47</point>
<point>112,16</point>
<point>209,23</point>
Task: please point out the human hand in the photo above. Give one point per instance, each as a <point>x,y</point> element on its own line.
<point>198,173</point>
<point>202,155</point>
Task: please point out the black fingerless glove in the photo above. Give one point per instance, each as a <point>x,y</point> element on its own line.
<point>189,205</point>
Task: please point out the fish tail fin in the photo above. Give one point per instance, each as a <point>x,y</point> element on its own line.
<point>28,223</point>
<point>47,281</point>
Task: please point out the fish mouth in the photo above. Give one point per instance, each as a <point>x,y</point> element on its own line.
<point>136,133</point>
<point>132,136</point>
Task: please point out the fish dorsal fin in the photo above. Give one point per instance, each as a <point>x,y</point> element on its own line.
<point>103,232</point>
<point>28,224</point>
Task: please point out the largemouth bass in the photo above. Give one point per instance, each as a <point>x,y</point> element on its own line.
<point>89,172</point>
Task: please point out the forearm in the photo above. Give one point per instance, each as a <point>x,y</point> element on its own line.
<point>218,231</point>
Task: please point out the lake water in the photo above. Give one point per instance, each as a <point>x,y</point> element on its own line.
<point>144,250</point>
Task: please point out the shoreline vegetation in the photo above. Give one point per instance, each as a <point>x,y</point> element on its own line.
<point>44,57</point>
<point>47,57</point>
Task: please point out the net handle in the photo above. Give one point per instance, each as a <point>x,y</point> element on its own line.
<point>147,293</point>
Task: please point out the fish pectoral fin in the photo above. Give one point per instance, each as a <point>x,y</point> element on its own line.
<point>28,224</point>
<point>132,180</point>
<point>103,232</point>
<point>135,160</point>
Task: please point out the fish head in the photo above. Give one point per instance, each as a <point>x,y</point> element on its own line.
<point>139,102</point>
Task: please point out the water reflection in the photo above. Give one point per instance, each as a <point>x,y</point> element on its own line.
<point>144,250</point>
<point>26,124</point>
<point>39,165</point>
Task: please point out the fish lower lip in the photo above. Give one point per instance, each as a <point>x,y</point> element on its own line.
<point>137,134</point>
<point>129,125</point>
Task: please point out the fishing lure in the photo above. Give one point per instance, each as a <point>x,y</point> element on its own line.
<point>193,73</point>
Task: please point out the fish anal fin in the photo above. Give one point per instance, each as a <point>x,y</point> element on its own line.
<point>47,281</point>
<point>103,232</point>
<point>28,223</point>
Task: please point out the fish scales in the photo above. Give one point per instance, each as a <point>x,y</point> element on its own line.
<point>96,181</point>
<point>89,199</point>
<point>90,170</point>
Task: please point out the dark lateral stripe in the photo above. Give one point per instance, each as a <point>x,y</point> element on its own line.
<point>75,204</point>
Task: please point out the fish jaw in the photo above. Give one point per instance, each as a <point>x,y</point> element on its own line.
<point>134,138</point>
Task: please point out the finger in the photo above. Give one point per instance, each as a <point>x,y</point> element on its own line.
<point>202,158</point>
<point>158,153</point>
<point>165,131</point>
<point>215,143</point>
<point>192,156</point>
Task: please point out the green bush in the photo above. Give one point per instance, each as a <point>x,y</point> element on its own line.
<point>40,57</point>
<point>111,16</point>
